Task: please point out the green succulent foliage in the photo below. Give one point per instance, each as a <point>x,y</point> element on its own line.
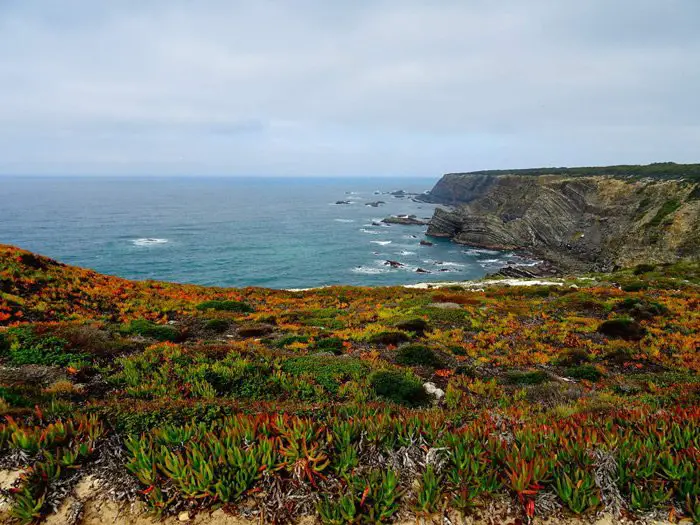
<point>329,372</point>
<point>418,355</point>
<point>577,490</point>
<point>400,387</point>
<point>370,499</point>
<point>534,377</point>
<point>589,372</point>
<point>27,347</point>
<point>226,306</point>
<point>146,328</point>
<point>217,325</point>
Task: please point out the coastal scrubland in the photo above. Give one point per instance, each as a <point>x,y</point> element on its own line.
<point>350,404</point>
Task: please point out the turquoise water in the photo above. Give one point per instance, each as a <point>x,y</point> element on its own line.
<point>277,233</point>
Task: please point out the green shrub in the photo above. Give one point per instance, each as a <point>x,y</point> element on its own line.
<point>451,316</point>
<point>399,387</point>
<point>641,308</point>
<point>589,372</point>
<point>146,328</point>
<point>226,306</point>
<point>289,339</point>
<point>4,344</point>
<point>27,348</point>
<point>242,379</point>
<point>329,344</point>
<point>635,286</point>
<point>623,328</point>
<point>329,372</point>
<point>13,397</point>
<point>417,325</point>
<point>217,325</point>
<point>389,338</point>
<point>574,356</point>
<point>643,268</point>
<point>534,377</point>
<point>418,355</point>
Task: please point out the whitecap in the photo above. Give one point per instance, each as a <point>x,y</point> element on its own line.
<point>480,251</point>
<point>406,252</point>
<point>491,261</point>
<point>369,270</point>
<point>383,243</point>
<point>454,264</point>
<point>344,220</point>
<point>148,241</point>
<point>371,232</point>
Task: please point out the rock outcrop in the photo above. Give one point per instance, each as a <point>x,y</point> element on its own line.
<point>579,222</point>
<point>408,220</point>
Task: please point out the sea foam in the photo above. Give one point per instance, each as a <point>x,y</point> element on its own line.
<point>148,241</point>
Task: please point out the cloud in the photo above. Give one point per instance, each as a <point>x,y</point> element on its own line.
<point>345,88</point>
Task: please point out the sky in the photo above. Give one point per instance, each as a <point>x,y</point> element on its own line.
<point>345,88</point>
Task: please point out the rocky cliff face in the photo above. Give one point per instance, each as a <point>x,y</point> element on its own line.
<point>579,223</point>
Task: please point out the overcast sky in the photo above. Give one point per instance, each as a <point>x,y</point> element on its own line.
<point>347,87</point>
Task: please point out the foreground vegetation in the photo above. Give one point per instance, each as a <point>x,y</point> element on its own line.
<point>546,400</point>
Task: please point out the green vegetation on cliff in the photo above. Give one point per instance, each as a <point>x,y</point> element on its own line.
<point>657,170</point>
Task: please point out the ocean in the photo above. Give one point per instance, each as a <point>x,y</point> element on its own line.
<point>270,232</point>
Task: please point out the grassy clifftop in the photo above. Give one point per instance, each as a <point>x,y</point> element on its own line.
<point>554,401</point>
<point>657,170</point>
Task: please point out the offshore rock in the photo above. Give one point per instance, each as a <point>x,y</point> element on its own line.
<point>407,220</point>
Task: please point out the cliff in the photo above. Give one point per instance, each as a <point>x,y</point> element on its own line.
<point>579,219</point>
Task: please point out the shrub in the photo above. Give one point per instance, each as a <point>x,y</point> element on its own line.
<point>146,328</point>
<point>289,339</point>
<point>216,325</point>
<point>13,397</point>
<point>534,377</point>
<point>619,356</point>
<point>623,328</point>
<point>389,338</point>
<point>255,330</point>
<point>329,372</point>
<point>62,388</point>
<point>242,379</point>
<point>416,325</point>
<point>643,268</point>
<point>450,316</point>
<point>589,372</point>
<point>329,344</point>
<point>574,356</point>
<point>635,286</point>
<point>226,306</point>
<point>399,387</point>
<point>418,355</point>
<point>4,344</point>
<point>641,308</point>
<point>28,348</point>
